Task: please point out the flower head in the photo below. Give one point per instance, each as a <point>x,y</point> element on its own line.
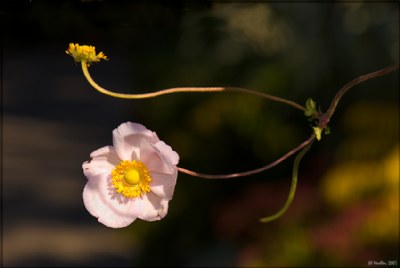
<point>85,53</point>
<point>134,178</point>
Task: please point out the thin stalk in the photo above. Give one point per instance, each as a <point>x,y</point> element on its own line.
<point>327,116</point>
<point>183,89</point>
<point>250,172</point>
<point>292,187</point>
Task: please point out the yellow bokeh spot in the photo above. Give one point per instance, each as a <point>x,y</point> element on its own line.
<point>376,182</point>
<point>383,224</point>
<point>85,53</point>
<point>131,178</point>
<point>352,181</point>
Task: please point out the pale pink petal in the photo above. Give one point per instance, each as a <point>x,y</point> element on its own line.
<point>151,207</point>
<point>102,151</point>
<point>128,137</point>
<point>163,185</point>
<point>104,160</point>
<point>150,156</point>
<point>101,200</point>
<point>167,153</point>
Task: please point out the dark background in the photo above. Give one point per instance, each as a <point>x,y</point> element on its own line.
<point>345,211</point>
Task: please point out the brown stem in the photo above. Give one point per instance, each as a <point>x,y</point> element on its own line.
<point>250,172</point>
<point>324,119</point>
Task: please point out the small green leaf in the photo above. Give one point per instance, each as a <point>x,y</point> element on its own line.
<point>327,131</point>
<point>311,108</point>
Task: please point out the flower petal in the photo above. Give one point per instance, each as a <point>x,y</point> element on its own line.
<point>167,152</point>
<point>112,212</point>
<point>151,207</point>
<point>103,160</point>
<point>163,185</point>
<point>149,155</point>
<point>158,159</point>
<point>127,138</point>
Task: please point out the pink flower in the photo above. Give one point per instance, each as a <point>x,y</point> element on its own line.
<point>133,179</point>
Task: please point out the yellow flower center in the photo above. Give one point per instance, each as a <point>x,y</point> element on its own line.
<point>131,178</point>
<point>85,53</point>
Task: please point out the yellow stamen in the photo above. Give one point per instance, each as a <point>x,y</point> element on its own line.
<point>131,178</point>
<point>85,53</point>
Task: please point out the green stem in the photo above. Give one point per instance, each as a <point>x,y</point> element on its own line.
<point>292,187</point>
